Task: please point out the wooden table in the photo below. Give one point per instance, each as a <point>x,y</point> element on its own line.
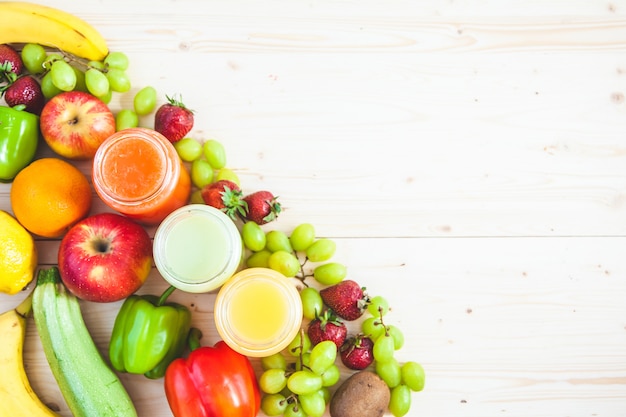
<point>468,157</point>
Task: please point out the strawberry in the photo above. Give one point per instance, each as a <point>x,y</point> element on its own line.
<point>11,64</point>
<point>262,207</point>
<point>327,327</point>
<point>173,120</point>
<point>357,352</point>
<point>224,195</point>
<point>346,299</point>
<point>26,91</point>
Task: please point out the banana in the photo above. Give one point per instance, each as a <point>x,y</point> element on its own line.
<point>24,22</point>
<point>90,387</point>
<point>17,398</point>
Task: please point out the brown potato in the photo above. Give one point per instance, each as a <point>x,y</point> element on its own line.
<point>363,394</point>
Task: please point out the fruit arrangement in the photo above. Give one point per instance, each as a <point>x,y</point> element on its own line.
<point>55,67</point>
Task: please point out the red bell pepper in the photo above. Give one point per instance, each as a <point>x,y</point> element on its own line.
<point>212,382</point>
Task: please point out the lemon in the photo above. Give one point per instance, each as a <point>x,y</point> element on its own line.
<point>18,257</point>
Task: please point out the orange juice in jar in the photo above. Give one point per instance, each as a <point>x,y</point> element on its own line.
<point>138,173</point>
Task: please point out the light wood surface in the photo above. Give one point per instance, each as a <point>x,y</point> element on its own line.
<point>468,157</point>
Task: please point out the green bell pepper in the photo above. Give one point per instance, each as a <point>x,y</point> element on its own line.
<point>148,334</point>
<point>19,138</point>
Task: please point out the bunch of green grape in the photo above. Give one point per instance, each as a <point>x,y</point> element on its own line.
<point>207,161</point>
<point>401,378</point>
<point>61,71</point>
<point>297,384</point>
<point>288,254</point>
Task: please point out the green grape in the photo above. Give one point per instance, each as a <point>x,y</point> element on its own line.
<point>117,60</point>
<point>259,259</point>
<point>413,376</point>
<point>272,381</point>
<point>107,97</point>
<point>275,361</point>
<point>63,76</point>
<point>33,56</point>
<point>81,83</point>
<point>253,236</point>
<point>313,404</point>
<point>389,371</point>
<point>126,118</point>
<point>215,153</point>
<point>196,197</point>
<point>99,65</point>
<point>373,327</point>
<point>304,382</point>
<point>321,250</point>
<point>188,149</point>
<point>400,400</point>
<point>312,303</point>
<point>284,262</point>
<point>325,393</point>
<point>48,88</point>
<point>145,101</point>
<point>118,80</point>
<point>228,174</point>
<point>300,343</point>
<point>97,83</point>
<point>323,355</point>
<point>331,376</point>
<point>378,306</point>
<point>201,173</point>
<point>277,240</point>
<point>51,59</point>
<point>383,348</point>
<point>273,404</point>
<point>302,361</point>
<point>302,236</point>
<point>330,273</point>
<point>397,335</point>
<point>294,410</point>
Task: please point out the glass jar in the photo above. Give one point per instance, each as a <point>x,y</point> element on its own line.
<point>258,312</point>
<point>197,248</point>
<point>138,173</point>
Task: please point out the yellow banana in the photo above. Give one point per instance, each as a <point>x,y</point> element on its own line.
<point>17,398</point>
<point>24,22</point>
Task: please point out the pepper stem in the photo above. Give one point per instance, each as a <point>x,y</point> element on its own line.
<point>193,338</point>
<point>165,295</point>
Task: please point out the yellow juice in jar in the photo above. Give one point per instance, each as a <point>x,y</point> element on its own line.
<point>258,312</point>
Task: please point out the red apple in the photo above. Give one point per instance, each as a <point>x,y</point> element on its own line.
<point>75,123</point>
<point>105,257</point>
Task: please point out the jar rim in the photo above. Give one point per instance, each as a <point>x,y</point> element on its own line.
<point>231,240</point>
<point>292,319</point>
<point>164,149</point>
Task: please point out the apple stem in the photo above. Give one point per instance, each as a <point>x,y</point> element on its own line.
<point>165,294</point>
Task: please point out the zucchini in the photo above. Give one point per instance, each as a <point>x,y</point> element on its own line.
<point>88,385</point>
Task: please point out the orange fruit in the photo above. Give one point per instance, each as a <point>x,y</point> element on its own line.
<point>49,196</point>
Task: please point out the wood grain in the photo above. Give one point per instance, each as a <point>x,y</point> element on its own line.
<point>468,157</point>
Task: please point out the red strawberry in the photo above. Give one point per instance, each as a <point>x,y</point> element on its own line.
<point>346,299</point>
<point>327,327</point>
<point>11,64</point>
<point>262,207</point>
<point>357,352</point>
<point>27,91</point>
<point>224,195</point>
<point>173,120</point>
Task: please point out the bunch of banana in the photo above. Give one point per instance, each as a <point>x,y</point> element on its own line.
<point>23,22</point>
<point>17,398</point>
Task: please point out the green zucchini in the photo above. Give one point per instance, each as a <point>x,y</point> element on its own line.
<point>88,385</point>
